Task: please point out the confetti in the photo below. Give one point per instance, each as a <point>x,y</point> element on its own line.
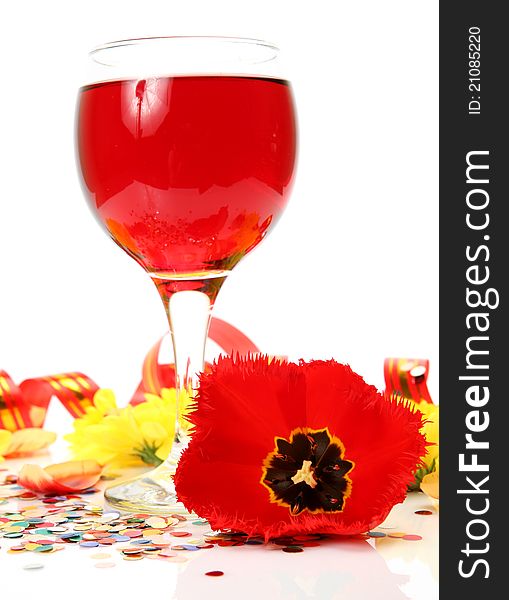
<point>89,544</point>
<point>33,566</point>
<point>214,573</point>
<point>423,512</point>
<point>43,548</point>
<point>46,525</point>
<point>156,522</point>
<point>180,533</point>
<point>309,544</point>
<point>292,549</point>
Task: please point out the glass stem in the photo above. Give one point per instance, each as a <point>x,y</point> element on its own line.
<point>188,304</point>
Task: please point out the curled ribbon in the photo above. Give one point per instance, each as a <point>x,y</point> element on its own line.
<point>407,377</point>
<point>26,404</point>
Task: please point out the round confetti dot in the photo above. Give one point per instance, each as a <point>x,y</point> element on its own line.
<point>132,533</point>
<point>292,549</point>
<point>178,517</point>
<point>133,557</point>
<point>152,532</point>
<point>43,542</point>
<point>310,544</point>
<point>89,544</point>
<point>180,533</point>
<point>214,573</point>
<point>33,566</point>
<point>100,556</point>
<point>109,516</point>
<point>156,522</point>
<point>397,534</point>
<point>423,512</point>
<point>412,538</point>
<point>376,534</point>
<point>44,548</point>
<point>104,565</point>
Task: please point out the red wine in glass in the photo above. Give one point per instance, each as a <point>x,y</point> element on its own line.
<point>187,174</point>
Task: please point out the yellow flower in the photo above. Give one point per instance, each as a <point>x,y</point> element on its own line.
<point>430,430</point>
<point>430,484</point>
<point>123,437</point>
<point>431,414</point>
<point>5,438</point>
<point>24,441</point>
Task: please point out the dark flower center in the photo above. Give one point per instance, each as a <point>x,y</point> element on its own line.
<point>308,472</point>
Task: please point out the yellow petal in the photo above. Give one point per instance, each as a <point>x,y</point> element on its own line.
<point>153,432</point>
<point>430,485</point>
<point>5,438</point>
<point>104,401</point>
<point>150,397</point>
<point>164,449</point>
<point>26,441</point>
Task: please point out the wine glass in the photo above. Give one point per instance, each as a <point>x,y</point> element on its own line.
<point>186,148</point>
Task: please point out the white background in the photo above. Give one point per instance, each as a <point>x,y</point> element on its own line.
<point>351,270</point>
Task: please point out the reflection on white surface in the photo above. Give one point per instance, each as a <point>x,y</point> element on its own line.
<point>339,569</point>
<point>348,569</point>
<point>419,559</point>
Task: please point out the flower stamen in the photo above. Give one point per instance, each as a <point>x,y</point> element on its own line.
<point>321,484</point>
<point>305,474</point>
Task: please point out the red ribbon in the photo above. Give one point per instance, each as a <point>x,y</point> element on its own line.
<point>407,377</point>
<point>26,405</point>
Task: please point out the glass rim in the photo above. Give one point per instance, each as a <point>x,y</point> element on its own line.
<point>128,42</point>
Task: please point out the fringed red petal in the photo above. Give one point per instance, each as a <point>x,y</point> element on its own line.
<point>245,404</point>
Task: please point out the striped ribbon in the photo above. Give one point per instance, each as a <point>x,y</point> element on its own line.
<point>407,377</point>
<point>26,404</point>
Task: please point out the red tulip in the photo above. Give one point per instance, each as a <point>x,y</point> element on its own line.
<point>283,448</point>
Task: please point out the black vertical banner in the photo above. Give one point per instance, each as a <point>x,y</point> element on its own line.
<point>474,269</point>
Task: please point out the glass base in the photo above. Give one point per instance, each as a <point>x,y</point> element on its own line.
<point>152,492</point>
